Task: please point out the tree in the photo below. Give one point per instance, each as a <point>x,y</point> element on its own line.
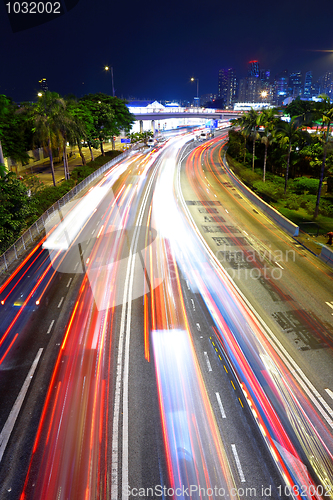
<point>288,133</point>
<point>83,124</point>
<point>123,119</point>
<point>325,110</point>
<point>46,123</point>
<point>241,122</point>
<point>267,119</point>
<point>67,126</point>
<point>141,136</point>
<point>14,209</point>
<point>103,116</point>
<point>299,108</point>
<point>13,132</point>
<point>249,127</point>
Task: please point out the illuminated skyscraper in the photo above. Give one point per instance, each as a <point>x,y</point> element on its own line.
<point>253,69</point>
<point>307,93</point>
<point>227,86</point>
<point>295,84</point>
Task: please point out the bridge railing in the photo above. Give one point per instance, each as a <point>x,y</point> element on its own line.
<point>175,110</point>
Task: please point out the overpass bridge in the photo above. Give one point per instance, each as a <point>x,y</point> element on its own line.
<point>179,115</point>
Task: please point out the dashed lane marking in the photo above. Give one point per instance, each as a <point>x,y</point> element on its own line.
<point>238,464</point>
<point>220,405</point>
<point>208,362</point>
<point>50,327</point>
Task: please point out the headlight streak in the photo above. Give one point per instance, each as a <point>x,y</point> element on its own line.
<point>71,457</point>
<point>188,265</point>
<point>189,426</point>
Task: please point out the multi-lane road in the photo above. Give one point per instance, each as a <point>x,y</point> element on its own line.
<point>166,340</point>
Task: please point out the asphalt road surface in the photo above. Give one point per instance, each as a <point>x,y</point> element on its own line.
<point>131,365</point>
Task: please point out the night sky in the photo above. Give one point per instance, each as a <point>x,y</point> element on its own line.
<point>155,47</point>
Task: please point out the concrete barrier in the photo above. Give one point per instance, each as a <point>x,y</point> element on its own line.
<point>285,223</point>
<point>326,255</point>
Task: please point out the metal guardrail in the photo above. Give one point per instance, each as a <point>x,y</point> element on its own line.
<point>36,230</point>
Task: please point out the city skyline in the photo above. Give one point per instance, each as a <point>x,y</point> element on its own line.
<point>154,51</point>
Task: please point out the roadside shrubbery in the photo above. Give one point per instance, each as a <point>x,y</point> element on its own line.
<point>305,185</point>
<point>46,196</point>
<point>301,193</point>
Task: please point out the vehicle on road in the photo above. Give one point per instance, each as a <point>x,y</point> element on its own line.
<point>205,134</point>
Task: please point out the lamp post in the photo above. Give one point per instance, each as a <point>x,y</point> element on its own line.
<point>107,68</point>
<point>197,80</point>
<point>263,95</point>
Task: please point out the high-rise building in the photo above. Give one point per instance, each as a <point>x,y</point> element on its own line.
<point>280,87</point>
<point>249,89</point>
<point>264,77</point>
<point>325,84</point>
<point>253,69</point>
<point>307,92</point>
<point>207,98</point>
<point>295,84</point>
<point>227,86</point>
<point>43,85</point>
<point>222,87</point>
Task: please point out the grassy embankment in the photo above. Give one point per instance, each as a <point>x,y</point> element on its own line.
<point>297,205</point>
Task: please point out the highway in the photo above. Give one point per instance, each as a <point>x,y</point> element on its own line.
<point>138,368</point>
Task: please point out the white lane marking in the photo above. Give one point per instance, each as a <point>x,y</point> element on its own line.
<point>198,327</point>
<point>299,375</point>
<point>76,266</point>
<point>61,301</point>
<point>70,281</point>
<point>126,313</point>
<point>239,467</point>
<point>50,327</point>
<point>92,232</point>
<point>188,285</point>
<point>245,233</point>
<point>220,405</point>
<point>226,211</point>
<point>208,362</point>
<point>279,265</point>
<point>193,305</point>
<point>9,425</point>
<point>329,392</point>
<point>329,304</point>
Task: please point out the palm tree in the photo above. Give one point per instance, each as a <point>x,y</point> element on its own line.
<point>67,128</point>
<point>287,133</point>
<point>46,123</point>
<point>241,122</point>
<point>249,126</point>
<point>325,111</point>
<point>267,119</point>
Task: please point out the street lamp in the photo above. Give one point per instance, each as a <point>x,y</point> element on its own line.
<point>197,80</point>
<point>263,95</point>
<point>40,94</point>
<point>107,68</point>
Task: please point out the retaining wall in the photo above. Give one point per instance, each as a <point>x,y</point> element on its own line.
<point>326,255</point>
